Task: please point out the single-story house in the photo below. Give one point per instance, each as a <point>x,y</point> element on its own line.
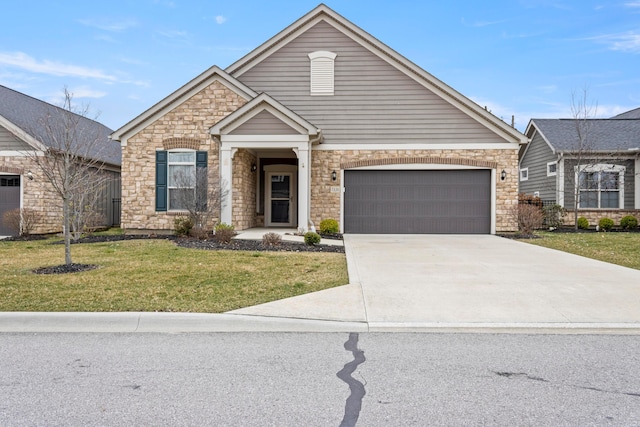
<point>324,121</point>
<point>23,131</point>
<point>595,160</point>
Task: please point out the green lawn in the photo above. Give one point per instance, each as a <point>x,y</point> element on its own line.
<point>616,248</point>
<point>157,275</point>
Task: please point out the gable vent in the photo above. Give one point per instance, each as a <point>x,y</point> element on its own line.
<point>322,77</point>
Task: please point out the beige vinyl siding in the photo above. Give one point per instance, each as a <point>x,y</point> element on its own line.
<point>8,142</point>
<point>373,101</point>
<point>536,158</point>
<point>264,123</point>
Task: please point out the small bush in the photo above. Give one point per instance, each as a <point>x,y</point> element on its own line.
<point>628,222</point>
<point>199,232</point>
<point>182,225</point>
<point>271,239</point>
<point>583,223</point>
<point>528,199</point>
<point>553,215</point>
<point>605,224</point>
<point>22,221</point>
<point>329,226</point>
<point>530,217</point>
<point>311,238</point>
<point>224,232</point>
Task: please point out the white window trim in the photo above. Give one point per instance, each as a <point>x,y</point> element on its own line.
<point>322,72</point>
<point>552,173</point>
<point>169,164</point>
<point>524,174</point>
<point>603,167</point>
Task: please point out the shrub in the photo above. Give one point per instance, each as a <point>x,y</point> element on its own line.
<point>528,199</point>
<point>553,215</point>
<point>271,239</point>
<point>329,226</point>
<point>530,217</point>
<point>224,232</point>
<point>311,238</point>
<point>182,225</point>
<point>22,221</point>
<point>605,224</point>
<point>629,222</point>
<point>199,232</point>
<point>583,223</point>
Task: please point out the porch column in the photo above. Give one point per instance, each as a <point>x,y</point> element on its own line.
<point>226,184</point>
<point>304,193</point>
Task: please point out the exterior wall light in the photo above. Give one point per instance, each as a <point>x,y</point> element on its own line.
<point>254,167</point>
<point>30,176</point>
<point>503,175</point>
<point>334,176</point>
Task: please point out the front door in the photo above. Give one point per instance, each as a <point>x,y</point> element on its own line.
<point>280,206</point>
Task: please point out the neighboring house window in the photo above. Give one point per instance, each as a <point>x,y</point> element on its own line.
<point>176,173</point>
<point>524,174</point>
<point>322,72</point>
<point>601,186</point>
<point>552,168</point>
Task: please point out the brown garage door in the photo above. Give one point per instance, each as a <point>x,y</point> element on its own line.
<point>9,199</point>
<point>417,202</point>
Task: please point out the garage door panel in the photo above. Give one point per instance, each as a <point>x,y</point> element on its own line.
<point>447,201</point>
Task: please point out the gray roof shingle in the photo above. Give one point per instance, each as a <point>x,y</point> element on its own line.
<point>631,114</point>
<point>29,114</point>
<point>609,135</point>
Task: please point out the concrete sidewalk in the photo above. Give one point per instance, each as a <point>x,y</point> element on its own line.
<point>428,283</point>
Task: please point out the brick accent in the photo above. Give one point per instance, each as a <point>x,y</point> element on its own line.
<point>37,194</point>
<point>325,204</point>
<point>186,126</point>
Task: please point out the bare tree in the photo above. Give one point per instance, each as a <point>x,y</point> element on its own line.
<point>583,151</point>
<point>70,160</point>
<point>192,193</point>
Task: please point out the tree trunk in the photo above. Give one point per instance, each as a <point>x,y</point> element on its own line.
<point>67,231</point>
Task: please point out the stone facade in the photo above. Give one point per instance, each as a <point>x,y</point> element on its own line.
<point>186,126</point>
<point>244,191</point>
<point>37,194</point>
<point>325,204</point>
<point>595,215</point>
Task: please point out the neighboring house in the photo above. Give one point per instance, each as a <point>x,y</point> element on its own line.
<point>22,185</point>
<point>605,173</point>
<point>324,121</point>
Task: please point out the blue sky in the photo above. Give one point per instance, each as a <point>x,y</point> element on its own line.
<point>517,57</point>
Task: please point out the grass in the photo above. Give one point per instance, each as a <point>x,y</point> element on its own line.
<point>157,275</point>
<point>616,248</point>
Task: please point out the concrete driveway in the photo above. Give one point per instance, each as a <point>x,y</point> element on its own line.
<point>466,282</point>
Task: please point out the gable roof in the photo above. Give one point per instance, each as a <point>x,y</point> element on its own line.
<point>25,116</point>
<point>264,102</point>
<point>631,114</point>
<point>324,13</point>
<point>180,95</point>
<point>604,135</point>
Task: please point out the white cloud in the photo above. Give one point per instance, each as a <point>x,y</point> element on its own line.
<point>86,92</point>
<point>25,62</point>
<point>174,34</point>
<point>624,42</point>
<point>221,19</point>
<point>110,25</point>
<point>632,4</point>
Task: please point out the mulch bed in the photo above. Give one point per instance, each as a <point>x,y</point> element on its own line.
<point>65,268</point>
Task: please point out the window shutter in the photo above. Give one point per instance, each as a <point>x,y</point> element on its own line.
<point>201,180</point>
<point>161,181</point>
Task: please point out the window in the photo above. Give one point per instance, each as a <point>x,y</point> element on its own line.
<point>524,174</point>
<point>601,187</point>
<point>552,168</point>
<point>322,72</point>
<point>181,180</point>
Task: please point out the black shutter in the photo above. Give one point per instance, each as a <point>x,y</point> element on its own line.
<point>201,181</point>
<point>161,181</point>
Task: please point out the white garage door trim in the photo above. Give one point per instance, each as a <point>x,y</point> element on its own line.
<point>422,167</point>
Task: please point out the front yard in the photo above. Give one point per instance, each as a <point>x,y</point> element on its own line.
<point>158,275</point>
<point>617,247</point>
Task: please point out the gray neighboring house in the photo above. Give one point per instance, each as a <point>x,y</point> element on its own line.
<point>607,173</point>
<point>22,185</point>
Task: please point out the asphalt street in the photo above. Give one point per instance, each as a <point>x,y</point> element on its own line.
<point>319,379</point>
